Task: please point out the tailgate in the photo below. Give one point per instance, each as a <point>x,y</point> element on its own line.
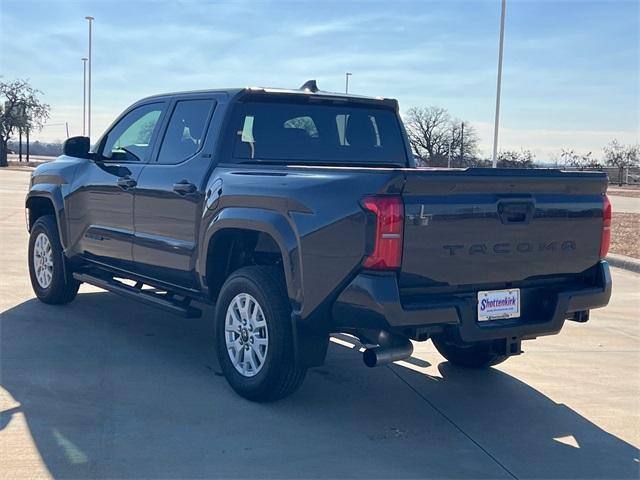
<point>497,225</point>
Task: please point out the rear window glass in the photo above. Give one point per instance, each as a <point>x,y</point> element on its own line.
<point>316,133</point>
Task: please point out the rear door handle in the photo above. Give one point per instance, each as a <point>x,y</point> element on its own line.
<point>184,187</point>
<point>126,182</point>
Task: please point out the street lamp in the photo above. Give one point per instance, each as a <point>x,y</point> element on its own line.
<point>84,96</point>
<point>90,19</point>
<point>346,87</point>
<point>499,84</point>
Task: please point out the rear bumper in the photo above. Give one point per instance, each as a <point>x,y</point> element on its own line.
<point>373,301</point>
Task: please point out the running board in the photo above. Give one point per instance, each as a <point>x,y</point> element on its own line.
<point>165,301</point>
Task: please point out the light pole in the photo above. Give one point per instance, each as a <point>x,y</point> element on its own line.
<point>462,144</point>
<point>84,96</point>
<point>90,19</point>
<point>449,149</point>
<point>346,87</point>
<point>499,84</point>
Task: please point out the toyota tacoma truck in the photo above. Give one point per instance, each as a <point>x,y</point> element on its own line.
<point>301,213</point>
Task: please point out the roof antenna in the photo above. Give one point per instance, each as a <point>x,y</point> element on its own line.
<point>310,86</point>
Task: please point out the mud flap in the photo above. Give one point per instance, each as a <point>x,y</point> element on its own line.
<point>310,343</point>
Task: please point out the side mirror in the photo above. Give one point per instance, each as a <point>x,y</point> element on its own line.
<point>76,147</point>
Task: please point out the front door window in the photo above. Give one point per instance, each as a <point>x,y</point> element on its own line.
<point>131,139</point>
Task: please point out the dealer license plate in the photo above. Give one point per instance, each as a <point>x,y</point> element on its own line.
<point>498,304</point>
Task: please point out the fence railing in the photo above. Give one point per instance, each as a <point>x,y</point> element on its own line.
<point>630,175</point>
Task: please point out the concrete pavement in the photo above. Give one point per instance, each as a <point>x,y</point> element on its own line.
<point>14,157</point>
<point>107,388</point>
<point>621,204</point>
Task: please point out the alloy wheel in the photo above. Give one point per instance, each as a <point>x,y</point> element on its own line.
<point>246,335</point>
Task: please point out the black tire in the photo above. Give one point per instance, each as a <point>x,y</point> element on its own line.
<point>63,288</point>
<point>471,355</point>
<point>278,376</point>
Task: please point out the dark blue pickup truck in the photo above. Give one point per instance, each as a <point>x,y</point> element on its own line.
<point>300,213</point>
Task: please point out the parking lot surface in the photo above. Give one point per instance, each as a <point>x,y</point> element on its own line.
<point>106,388</point>
<point>621,204</point>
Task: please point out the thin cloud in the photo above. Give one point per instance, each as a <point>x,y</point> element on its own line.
<point>572,68</point>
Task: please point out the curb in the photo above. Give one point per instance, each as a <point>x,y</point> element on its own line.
<point>18,169</point>
<point>624,262</point>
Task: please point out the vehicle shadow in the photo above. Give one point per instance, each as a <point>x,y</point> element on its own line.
<point>112,389</point>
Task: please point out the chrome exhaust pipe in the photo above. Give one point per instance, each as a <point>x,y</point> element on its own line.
<point>397,348</point>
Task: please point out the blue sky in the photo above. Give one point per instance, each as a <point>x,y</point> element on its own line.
<point>570,68</point>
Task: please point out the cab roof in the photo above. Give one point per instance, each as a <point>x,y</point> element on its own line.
<point>309,89</point>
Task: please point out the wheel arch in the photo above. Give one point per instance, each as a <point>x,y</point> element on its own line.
<point>47,201</point>
<point>310,337</point>
<point>258,227</point>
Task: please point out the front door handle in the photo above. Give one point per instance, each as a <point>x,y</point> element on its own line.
<point>184,187</point>
<point>126,182</point>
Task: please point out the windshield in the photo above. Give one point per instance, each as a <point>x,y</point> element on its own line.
<point>316,133</point>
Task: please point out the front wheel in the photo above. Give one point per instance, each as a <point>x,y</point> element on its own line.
<point>471,355</point>
<point>254,336</point>
<point>51,281</point>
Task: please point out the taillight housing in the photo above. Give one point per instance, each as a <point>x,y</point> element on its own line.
<point>389,213</point>
<point>606,228</point>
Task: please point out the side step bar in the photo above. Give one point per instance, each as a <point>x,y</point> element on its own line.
<point>165,301</point>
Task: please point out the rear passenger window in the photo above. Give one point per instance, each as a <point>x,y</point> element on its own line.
<point>186,131</point>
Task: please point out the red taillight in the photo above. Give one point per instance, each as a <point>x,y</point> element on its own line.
<point>387,251</point>
<point>606,228</point>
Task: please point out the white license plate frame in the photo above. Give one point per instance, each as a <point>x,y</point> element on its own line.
<point>499,304</point>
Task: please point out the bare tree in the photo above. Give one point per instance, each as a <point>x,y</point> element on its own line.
<point>589,161</point>
<point>435,137</point>
<point>427,128</point>
<point>514,159</point>
<point>20,108</point>
<point>464,144</point>
<point>621,156</point>
<point>570,158</point>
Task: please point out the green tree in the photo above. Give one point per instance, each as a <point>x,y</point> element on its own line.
<point>20,108</point>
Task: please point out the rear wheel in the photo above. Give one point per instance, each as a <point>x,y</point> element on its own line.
<point>254,335</point>
<point>52,282</point>
<point>471,355</point>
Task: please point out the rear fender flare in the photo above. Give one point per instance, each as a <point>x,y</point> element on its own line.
<point>266,221</point>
